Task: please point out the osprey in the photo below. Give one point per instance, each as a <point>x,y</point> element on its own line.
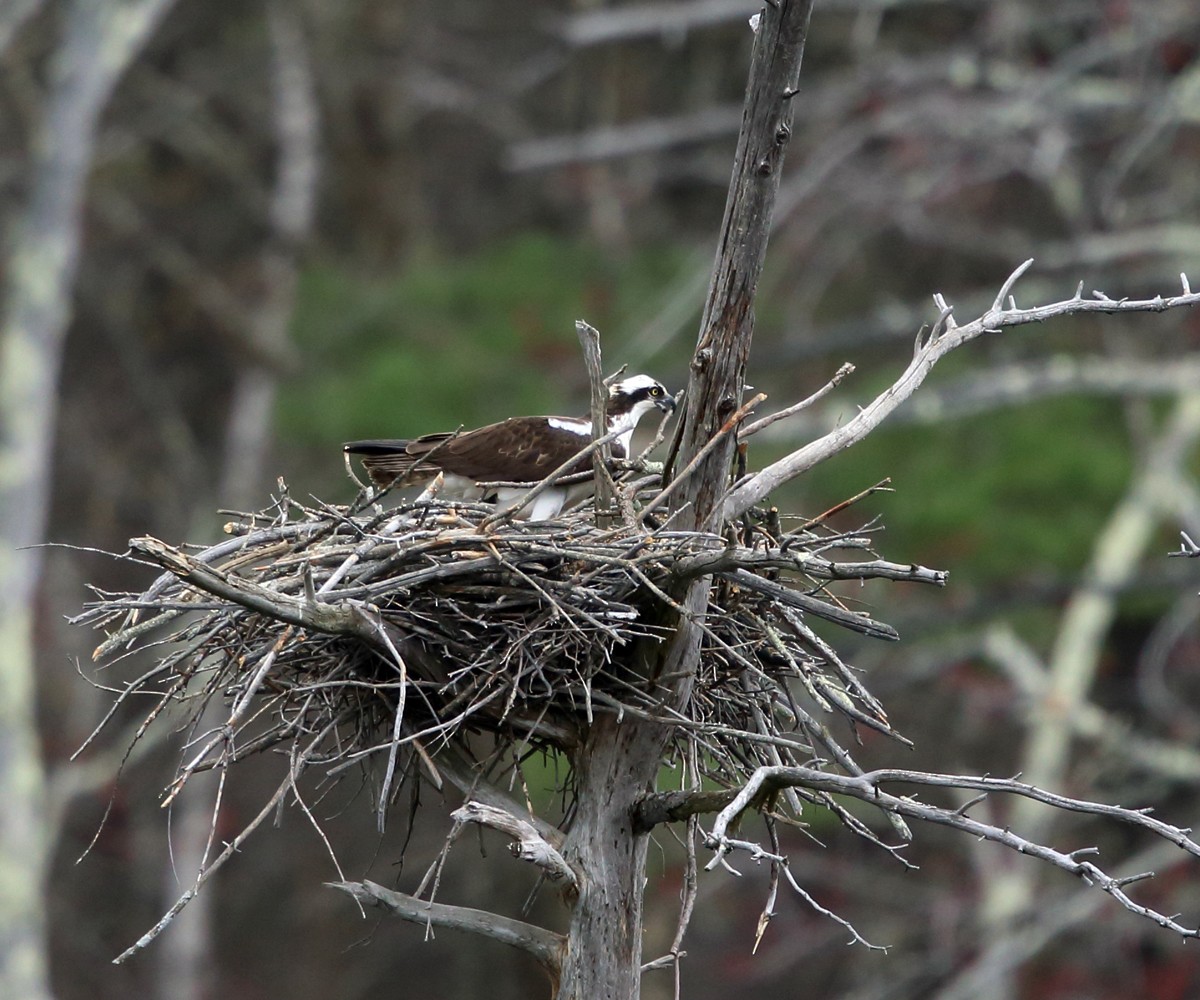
<point>517,450</point>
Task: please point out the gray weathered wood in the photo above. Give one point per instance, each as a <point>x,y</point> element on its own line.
<point>719,363</point>
<point>542,944</point>
<point>589,340</point>
<point>619,760</point>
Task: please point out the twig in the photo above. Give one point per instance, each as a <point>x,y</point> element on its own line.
<point>1187,547</point>
<point>769,419</point>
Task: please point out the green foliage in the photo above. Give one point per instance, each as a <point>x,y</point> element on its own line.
<point>450,341</point>
<point>1005,494</point>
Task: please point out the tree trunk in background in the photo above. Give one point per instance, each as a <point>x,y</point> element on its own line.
<point>185,961</point>
<point>98,42</point>
<point>13,16</point>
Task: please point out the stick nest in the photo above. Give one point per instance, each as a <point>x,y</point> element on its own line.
<point>343,635</point>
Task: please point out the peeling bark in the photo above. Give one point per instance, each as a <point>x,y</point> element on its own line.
<point>604,942</point>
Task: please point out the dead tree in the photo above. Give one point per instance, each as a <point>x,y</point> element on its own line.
<point>687,627</point>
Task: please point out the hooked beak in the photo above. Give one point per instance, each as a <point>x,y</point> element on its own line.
<point>665,403</point>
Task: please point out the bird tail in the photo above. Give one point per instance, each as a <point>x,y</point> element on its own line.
<point>380,446</point>
<point>387,462</point>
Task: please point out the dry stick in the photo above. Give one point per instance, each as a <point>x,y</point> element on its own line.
<point>139,685</point>
<point>165,580</point>
<point>761,724</point>
<point>589,340</point>
<point>679,721</point>
<point>253,596</point>
<point>293,773</point>
<point>803,561</point>
<point>837,508</point>
<point>857,621</point>
<point>464,776</point>
<point>820,734</point>
<point>1187,547</point>
<point>433,875</point>
<point>225,732</point>
<point>610,380</point>
<point>855,936</point>
<point>562,609</point>
<point>829,654</point>
<point>772,890</point>
<point>827,388</point>
<point>397,724</point>
<point>728,427</point>
<point>231,848</point>
<point>688,892</point>
<point>395,524</point>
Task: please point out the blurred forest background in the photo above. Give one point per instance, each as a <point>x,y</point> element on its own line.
<point>240,233</point>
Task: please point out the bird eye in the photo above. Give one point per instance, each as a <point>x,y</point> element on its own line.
<point>656,391</point>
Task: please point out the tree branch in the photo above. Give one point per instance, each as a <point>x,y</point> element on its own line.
<point>854,620</point>
<point>724,560</point>
<point>308,614</point>
<point>545,946</point>
<point>467,779</point>
<point>672,807</point>
<point>528,844</point>
<point>867,788</point>
<point>1187,547</point>
<point>765,422</point>
<point>945,336</point>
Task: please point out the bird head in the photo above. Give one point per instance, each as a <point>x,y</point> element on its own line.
<point>632,397</point>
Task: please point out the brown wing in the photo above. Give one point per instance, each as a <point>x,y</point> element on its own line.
<point>520,449</point>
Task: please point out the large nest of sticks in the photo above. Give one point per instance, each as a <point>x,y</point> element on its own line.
<point>344,634</point>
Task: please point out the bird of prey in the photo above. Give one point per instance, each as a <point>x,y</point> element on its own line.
<point>517,450</point>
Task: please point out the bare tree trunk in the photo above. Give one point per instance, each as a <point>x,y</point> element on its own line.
<point>99,41</point>
<point>604,949</point>
<point>619,760</point>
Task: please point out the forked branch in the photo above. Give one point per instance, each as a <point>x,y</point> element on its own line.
<point>869,788</point>
<point>1187,547</point>
<point>527,845</point>
<point>945,336</point>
